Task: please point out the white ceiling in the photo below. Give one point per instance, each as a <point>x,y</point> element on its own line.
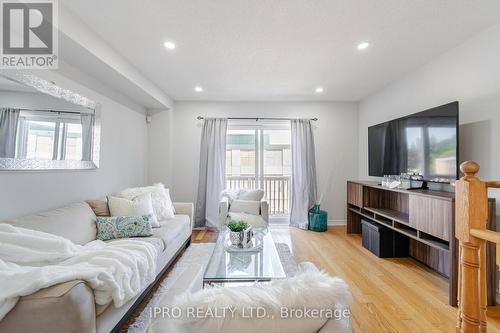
<point>74,54</point>
<point>281,49</point>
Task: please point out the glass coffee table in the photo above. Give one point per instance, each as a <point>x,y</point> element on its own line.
<point>229,265</point>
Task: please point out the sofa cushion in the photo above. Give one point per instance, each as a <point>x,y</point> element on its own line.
<point>156,242</point>
<point>75,222</point>
<point>171,229</point>
<point>99,206</point>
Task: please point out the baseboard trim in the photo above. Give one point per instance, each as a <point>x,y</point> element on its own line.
<point>336,222</point>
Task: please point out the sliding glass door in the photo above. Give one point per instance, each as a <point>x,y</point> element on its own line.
<point>260,157</point>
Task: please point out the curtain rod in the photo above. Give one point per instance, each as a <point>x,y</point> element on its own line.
<point>257,118</point>
<point>50,110</point>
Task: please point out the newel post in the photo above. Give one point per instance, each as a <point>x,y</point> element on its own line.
<point>471,212</point>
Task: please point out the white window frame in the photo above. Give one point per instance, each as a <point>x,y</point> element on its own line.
<point>259,127</point>
<point>59,148</point>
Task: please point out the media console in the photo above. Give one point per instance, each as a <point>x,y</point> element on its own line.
<point>426,218</point>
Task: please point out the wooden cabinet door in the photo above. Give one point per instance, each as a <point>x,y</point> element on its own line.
<point>355,194</point>
<point>432,216</point>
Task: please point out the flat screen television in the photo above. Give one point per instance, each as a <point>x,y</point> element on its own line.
<point>424,143</point>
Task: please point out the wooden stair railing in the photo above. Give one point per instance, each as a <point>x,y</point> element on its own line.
<point>471,214</point>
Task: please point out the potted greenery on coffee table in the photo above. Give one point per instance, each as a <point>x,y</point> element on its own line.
<point>239,232</point>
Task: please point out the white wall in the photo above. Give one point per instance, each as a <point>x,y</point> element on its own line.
<point>123,163</point>
<point>36,101</point>
<point>160,147</point>
<point>469,73</point>
<point>336,140</point>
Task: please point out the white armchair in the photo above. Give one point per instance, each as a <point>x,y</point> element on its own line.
<point>225,210</point>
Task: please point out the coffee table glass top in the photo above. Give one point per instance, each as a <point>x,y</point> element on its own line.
<point>262,264</point>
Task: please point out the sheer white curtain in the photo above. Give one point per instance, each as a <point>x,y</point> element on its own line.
<point>212,171</point>
<point>303,187</point>
<point>9,119</point>
<point>87,120</point>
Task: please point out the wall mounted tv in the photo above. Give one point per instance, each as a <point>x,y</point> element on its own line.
<point>425,143</point>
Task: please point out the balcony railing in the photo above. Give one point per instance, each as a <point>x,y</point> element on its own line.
<point>276,188</point>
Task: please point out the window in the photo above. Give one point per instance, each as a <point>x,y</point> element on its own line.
<point>247,162</point>
<point>49,136</point>
<point>73,142</point>
<point>259,156</point>
<point>40,139</point>
<point>277,153</point>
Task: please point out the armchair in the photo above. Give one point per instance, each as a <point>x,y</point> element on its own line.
<point>225,211</point>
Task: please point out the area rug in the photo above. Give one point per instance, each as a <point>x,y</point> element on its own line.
<point>200,253</point>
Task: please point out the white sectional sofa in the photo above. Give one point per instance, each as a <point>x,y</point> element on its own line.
<point>70,307</point>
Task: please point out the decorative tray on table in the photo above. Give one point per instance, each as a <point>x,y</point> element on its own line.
<point>253,246</point>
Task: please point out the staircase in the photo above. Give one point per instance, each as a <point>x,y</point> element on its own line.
<point>471,214</point>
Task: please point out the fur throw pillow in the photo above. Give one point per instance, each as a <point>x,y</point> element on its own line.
<point>160,197</point>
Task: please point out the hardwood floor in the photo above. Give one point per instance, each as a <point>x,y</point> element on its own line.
<point>389,295</point>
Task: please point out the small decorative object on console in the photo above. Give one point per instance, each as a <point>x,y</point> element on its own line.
<point>391,181</point>
<point>395,182</point>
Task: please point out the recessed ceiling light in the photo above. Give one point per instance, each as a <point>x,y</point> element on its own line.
<point>169,45</point>
<point>198,89</point>
<point>363,45</point>
<point>319,90</point>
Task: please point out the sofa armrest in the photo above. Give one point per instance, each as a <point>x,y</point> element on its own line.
<point>264,209</point>
<point>223,210</point>
<point>185,208</point>
<point>64,307</point>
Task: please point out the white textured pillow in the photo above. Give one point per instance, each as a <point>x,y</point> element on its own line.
<point>255,195</point>
<point>309,289</point>
<point>160,197</point>
<point>140,205</point>
<point>245,206</point>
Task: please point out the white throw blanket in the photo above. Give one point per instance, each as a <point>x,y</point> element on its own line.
<point>32,260</point>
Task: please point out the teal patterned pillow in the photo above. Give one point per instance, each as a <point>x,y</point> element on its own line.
<point>123,226</point>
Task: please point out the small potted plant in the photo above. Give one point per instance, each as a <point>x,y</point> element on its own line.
<point>239,232</point>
